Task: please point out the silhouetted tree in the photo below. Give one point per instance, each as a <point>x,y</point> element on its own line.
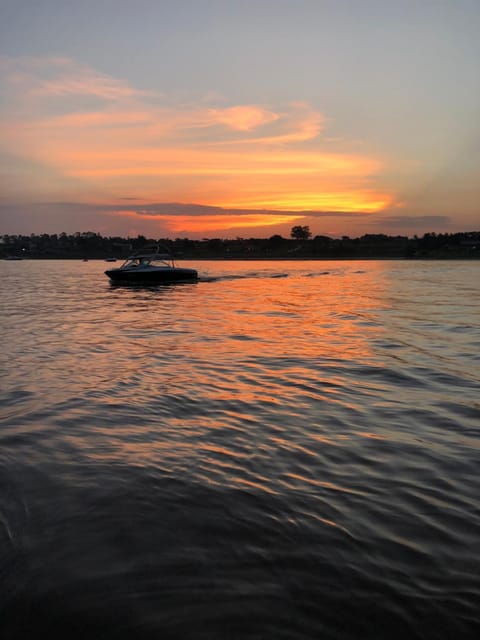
<point>301,233</point>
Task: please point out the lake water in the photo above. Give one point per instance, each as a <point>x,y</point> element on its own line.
<point>282,450</point>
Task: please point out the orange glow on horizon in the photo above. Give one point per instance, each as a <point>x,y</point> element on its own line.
<point>219,222</point>
<point>269,179</point>
<point>353,202</point>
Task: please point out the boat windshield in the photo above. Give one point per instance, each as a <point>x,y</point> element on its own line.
<point>145,261</point>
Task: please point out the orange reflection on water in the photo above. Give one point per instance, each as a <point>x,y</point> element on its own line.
<point>193,376</point>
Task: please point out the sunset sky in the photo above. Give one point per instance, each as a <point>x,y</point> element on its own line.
<point>210,118</point>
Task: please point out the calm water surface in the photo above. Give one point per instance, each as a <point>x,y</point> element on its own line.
<point>285,450</point>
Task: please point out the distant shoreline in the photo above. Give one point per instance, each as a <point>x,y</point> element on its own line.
<point>265,259</point>
<point>92,246</point>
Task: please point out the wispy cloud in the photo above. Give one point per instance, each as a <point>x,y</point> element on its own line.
<point>87,84</point>
<point>243,117</point>
<point>56,76</point>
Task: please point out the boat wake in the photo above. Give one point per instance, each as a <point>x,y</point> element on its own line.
<point>247,276</point>
<point>257,275</point>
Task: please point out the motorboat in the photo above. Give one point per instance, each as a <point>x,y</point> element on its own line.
<point>152,265</point>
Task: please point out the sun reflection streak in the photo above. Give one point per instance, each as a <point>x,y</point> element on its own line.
<point>286,338</point>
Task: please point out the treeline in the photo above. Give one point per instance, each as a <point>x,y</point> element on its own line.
<point>86,245</point>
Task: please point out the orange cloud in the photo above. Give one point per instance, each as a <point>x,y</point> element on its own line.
<point>87,84</point>
<point>351,201</point>
<point>243,117</point>
<point>95,119</point>
<point>57,77</point>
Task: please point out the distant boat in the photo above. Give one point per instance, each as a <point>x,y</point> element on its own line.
<point>13,258</point>
<point>110,259</point>
<point>152,265</point>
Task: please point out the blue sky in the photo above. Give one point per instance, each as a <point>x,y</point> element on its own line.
<point>352,117</point>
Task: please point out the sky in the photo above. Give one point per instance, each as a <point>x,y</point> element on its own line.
<point>239,118</point>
